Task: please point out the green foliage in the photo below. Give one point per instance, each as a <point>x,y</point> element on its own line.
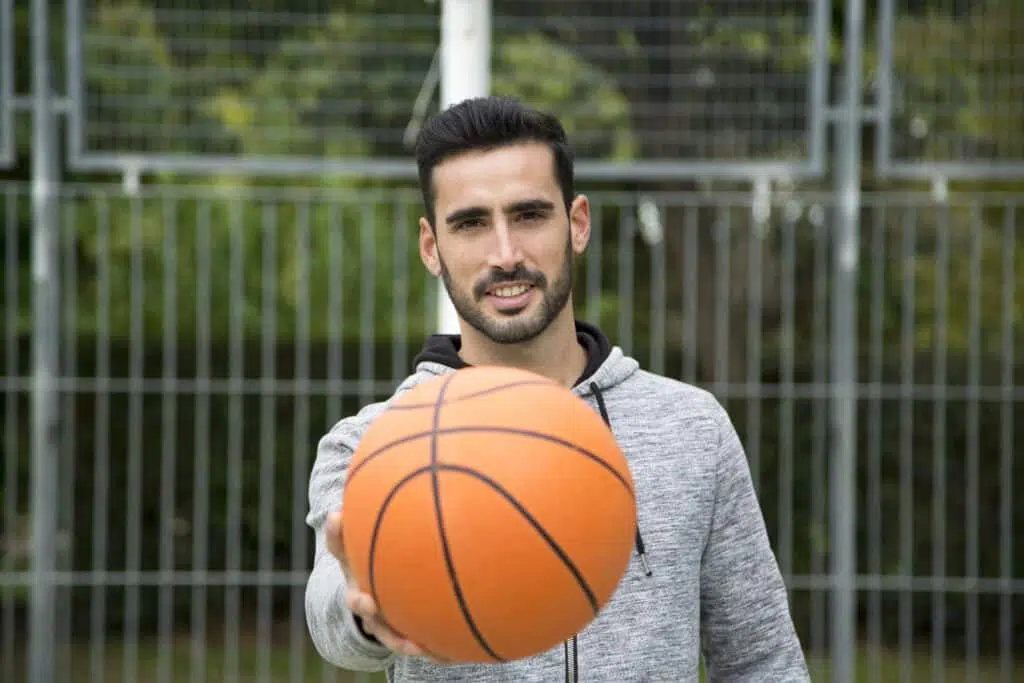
<point>956,261</point>
<point>280,111</point>
<point>126,35</point>
<point>592,107</point>
<point>299,94</point>
<point>305,266</point>
<point>956,86</point>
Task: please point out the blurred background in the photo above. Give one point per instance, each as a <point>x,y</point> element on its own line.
<point>208,213</point>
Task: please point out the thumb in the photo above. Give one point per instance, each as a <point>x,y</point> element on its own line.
<point>335,539</point>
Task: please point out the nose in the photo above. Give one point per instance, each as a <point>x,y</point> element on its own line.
<point>505,254</point>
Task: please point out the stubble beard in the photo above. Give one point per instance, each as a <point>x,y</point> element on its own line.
<point>517,328</point>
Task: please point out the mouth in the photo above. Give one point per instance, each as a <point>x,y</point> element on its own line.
<point>510,298</point>
<point>508,291</point>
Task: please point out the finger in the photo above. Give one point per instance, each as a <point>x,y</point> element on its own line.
<point>362,605</point>
<point>390,638</point>
<point>359,602</point>
<point>336,542</point>
<point>374,623</point>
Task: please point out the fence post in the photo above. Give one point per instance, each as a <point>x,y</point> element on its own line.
<point>465,68</point>
<point>46,316</point>
<point>844,345</point>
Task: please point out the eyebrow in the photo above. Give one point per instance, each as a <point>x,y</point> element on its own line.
<point>465,214</point>
<point>515,207</point>
<point>530,205</point>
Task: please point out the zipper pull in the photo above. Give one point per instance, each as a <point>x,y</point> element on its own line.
<point>642,553</point>
<point>643,563</point>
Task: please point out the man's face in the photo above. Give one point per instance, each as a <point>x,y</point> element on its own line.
<point>503,242</point>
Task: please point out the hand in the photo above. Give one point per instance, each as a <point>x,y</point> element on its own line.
<point>362,604</point>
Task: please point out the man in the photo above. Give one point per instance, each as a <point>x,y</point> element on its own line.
<point>502,228</point>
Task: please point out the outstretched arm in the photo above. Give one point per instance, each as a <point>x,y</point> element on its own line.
<point>332,626</point>
<point>747,632</point>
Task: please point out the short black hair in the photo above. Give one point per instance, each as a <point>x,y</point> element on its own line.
<point>483,123</point>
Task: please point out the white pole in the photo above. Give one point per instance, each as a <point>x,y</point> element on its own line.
<point>465,73</point>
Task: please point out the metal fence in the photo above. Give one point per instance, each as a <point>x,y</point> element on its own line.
<point>131,109</point>
<point>172,347</point>
<point>209,339</point>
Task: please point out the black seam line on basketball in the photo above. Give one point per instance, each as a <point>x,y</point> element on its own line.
<point>476,394</point>
<point>376,528</point>
<point>442,533</point>
<point>552,543</point>
<point>492,430</point>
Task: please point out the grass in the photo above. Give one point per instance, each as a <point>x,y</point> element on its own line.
<point>252,663</point>
<point>74,664</point>
<point>886,666</point>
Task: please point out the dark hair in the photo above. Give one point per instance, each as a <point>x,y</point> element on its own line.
<point>483,123</point>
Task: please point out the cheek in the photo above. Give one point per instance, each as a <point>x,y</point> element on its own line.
<point>462,264</point>
<point>553,252</point>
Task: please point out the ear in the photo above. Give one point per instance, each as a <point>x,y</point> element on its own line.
<point>428,248</point>
<point>579,223</point>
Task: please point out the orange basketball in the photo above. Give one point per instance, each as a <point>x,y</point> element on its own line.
<point>490,513</point>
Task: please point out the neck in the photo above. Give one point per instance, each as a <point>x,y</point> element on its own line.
<point>555,353</point>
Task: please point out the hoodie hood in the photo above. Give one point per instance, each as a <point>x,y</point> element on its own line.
<point>606,365</point>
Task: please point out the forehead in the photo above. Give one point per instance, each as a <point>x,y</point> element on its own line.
<point>488,177</point>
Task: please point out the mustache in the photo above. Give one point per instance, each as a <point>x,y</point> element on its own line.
<point>500,277</point>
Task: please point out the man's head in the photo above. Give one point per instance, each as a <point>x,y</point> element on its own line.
<point>484,123</point>
<point>502,223</point>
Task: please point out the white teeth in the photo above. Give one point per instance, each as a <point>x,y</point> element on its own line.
<point>514,290</point>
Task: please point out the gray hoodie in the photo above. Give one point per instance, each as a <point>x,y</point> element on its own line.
<point>703,579</point>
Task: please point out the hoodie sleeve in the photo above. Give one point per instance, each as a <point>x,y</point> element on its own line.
<point>332,627</point>
<point>747,630</point>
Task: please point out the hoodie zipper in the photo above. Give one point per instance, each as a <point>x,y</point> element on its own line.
<point>571,670</point>
<point>572,673</point>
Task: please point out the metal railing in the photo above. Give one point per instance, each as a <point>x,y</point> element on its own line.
<point>209,337</point>
<point>171,347</point>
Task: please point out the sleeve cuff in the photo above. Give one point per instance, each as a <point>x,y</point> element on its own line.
<point>358,621</point>
<point>364,641</point>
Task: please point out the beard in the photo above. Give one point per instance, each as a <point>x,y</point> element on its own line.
<point>518,327</point>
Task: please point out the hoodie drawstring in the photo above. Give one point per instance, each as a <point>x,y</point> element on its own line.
<point>639,540</point>
<point>572,645</point>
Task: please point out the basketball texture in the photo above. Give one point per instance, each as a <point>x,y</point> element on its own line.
<point>490,513</point>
